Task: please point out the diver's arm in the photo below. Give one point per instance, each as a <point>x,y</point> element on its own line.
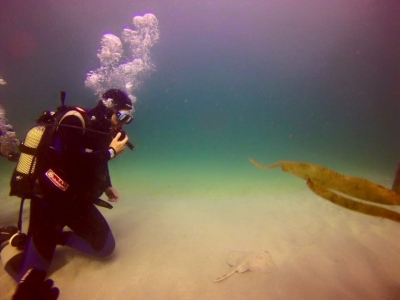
<point>72,142</point>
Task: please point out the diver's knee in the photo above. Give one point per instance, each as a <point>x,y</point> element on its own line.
<point>108,250</point>
<point>108,247</point>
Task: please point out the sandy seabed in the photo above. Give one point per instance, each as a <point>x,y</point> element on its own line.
<point>174,233</point>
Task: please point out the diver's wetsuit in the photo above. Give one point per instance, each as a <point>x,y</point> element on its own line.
<point>81,161</point>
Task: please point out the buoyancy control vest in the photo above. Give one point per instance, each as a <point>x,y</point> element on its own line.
<point>34,154</point>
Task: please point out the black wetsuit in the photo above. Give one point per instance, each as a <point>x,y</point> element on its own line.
<point>78,164</point>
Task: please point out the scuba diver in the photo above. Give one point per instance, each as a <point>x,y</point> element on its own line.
<point>71,178</point>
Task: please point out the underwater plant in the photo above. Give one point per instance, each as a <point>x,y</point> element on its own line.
<point>334,187</point>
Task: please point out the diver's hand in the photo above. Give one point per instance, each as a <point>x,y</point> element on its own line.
<point>112,194</point>
<point>117,145</point>
<point>33,286</point>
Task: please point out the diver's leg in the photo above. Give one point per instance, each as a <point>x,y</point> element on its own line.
<point>43,232</point>
<point>91,233</point>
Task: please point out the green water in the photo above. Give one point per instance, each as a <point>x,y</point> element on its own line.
<point>297,80</point>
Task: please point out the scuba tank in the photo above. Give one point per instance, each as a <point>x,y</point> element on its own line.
<point>22,181</point>
<point>25,174</point>
<point>24,178</point>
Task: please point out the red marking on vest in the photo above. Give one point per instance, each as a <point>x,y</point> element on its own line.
<point>81,110</point>
<point>56,180</point>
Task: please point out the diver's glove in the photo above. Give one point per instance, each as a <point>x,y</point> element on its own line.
<point>33,287</point>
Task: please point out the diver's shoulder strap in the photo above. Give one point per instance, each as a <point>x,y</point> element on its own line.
<point>77,112</point>
<point>73,113</point>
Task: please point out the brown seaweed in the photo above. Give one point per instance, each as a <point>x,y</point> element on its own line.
<point>352,186</point>
<point>323,182</point>
<point>351,204</point>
